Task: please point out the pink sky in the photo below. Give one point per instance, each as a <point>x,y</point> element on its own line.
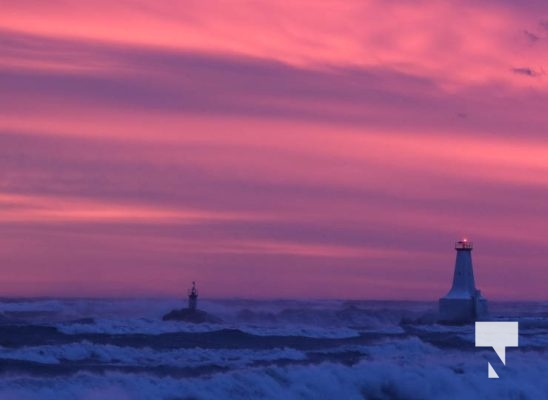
<point>271,149</point>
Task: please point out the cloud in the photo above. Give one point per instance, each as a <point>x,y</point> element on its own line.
<point>238,143</point>
<point>526,71</point>
<point>428,41</point>
<point>531,37</point>
<point>54,75</point>
<point>140,78</point>
<point>236,207</point>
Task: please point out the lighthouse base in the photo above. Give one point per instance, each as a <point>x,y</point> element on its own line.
<point>462,310</point>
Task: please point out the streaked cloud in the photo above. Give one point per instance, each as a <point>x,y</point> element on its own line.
<point>269,150</point>
<point>527,71</point>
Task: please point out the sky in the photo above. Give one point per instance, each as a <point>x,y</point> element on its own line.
<point>271,149</point>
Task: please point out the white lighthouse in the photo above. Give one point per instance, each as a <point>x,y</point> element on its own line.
<point>464,302</point>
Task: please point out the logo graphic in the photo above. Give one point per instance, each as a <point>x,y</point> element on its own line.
<point>499,336</point>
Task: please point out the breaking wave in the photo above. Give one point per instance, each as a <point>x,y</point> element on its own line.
<point>121,349</point>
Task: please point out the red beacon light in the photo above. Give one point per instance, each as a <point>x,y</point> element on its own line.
<point>463,244</point>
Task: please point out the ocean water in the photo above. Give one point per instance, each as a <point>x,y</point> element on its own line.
<point>121,349</point>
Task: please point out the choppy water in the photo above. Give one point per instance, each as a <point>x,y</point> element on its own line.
<point>121,349</point>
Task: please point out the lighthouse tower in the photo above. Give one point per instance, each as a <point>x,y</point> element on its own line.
<point>193,297</point>
<point>464,302</point>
